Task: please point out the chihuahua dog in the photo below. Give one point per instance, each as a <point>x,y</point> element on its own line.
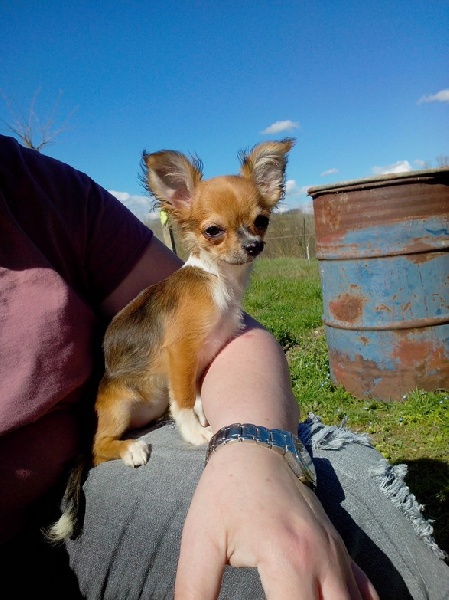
<point>159,345</point>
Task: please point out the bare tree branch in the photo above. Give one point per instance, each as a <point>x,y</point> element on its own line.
<point>29,129</point>
<point>442,160</point>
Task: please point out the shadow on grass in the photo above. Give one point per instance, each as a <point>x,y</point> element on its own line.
<point>428,480</point>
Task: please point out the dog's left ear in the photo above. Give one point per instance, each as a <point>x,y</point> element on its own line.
<point>172,178</point>
<point>266,164</point>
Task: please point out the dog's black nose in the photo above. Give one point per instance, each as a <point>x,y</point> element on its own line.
<point>254,248</point>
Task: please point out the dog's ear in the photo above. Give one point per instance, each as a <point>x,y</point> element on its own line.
<point>171,178</point>
<point>265,164</point>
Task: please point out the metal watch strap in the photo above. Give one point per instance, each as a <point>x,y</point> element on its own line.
<point>283,442</point>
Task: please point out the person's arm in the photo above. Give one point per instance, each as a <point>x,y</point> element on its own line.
<point>156,263</point>
<point>249,510</point>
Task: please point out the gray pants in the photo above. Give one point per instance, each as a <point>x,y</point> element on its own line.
<point>129,546</point>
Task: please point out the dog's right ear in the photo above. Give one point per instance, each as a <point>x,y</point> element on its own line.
<point>171,178</point>
<point>265,165</point>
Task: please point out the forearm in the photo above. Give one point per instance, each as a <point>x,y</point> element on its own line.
<point>245,489</point>
<point>249,382</point>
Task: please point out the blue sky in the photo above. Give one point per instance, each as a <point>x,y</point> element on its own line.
<point>362,86</point>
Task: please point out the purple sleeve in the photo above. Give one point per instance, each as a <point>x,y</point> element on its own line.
<point>116,241</point>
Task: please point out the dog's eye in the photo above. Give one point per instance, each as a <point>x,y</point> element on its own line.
<point>213,232</point>
<point>261,222</point>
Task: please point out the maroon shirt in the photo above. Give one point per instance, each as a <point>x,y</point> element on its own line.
<point>65,245</point>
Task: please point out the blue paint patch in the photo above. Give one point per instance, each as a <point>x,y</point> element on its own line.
<point>438,232</point>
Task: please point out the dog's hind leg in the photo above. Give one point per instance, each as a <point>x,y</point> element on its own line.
<point>114,408</point>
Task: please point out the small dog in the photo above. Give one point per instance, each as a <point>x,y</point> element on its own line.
<point>158,346</point>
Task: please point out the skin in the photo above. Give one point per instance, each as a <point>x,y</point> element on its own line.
<point>247,493</point>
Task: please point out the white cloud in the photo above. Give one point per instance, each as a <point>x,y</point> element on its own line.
<point>329,172</point>
<point>291,189</point>
<point>296,197</point>
<point>441,96</point>
<point>401,166</point>
<point>421,164</point>
<point>281,126</point>
<point>141,206</point>
<point>290,186</point>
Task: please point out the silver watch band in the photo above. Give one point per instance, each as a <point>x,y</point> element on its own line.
<point>283,442</point>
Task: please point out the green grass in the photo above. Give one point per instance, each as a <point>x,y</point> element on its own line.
<point>285,295</point>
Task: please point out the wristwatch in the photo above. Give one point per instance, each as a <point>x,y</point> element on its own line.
<point>283,442</point>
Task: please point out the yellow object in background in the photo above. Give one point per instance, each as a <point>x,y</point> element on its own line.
<point>163,217</point>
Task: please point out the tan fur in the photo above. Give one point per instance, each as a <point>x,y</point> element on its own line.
<point>158,346</point>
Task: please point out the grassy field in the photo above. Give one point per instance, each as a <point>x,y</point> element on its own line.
<point>285,295</point>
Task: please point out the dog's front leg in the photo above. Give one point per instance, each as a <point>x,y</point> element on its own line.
<point>183,375</point>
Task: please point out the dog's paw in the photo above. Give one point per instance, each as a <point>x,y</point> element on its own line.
<point>198,408</point>
<point>198,438</point>
<point>195,433</point>
<point>208,433</point>
<point>189,426</point>
<point>136,454</point>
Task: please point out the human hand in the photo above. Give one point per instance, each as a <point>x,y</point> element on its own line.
<point>249,510</point>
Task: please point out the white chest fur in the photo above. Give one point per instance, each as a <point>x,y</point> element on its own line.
<point>228,290</point>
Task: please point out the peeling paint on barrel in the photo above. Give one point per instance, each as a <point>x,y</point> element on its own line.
<point>383,252</point>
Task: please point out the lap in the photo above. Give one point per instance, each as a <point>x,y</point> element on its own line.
<point>133,522</point>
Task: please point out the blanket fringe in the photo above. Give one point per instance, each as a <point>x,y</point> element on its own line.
<point>328,437</point>
<point>391,480</point>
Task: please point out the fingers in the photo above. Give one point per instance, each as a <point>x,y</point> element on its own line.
<point>350,584</point>
<point>290,578</point>
<point>279,584</point>
<point>364,584</point>
<point>200,566</point>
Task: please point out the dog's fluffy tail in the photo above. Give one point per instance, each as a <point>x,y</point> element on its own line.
<point>69,523</point>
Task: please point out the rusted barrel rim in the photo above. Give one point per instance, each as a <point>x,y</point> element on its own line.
<point>429,175</point>
<point>392,325</point>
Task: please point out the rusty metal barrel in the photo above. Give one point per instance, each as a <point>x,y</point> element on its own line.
<point>382,246</point>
